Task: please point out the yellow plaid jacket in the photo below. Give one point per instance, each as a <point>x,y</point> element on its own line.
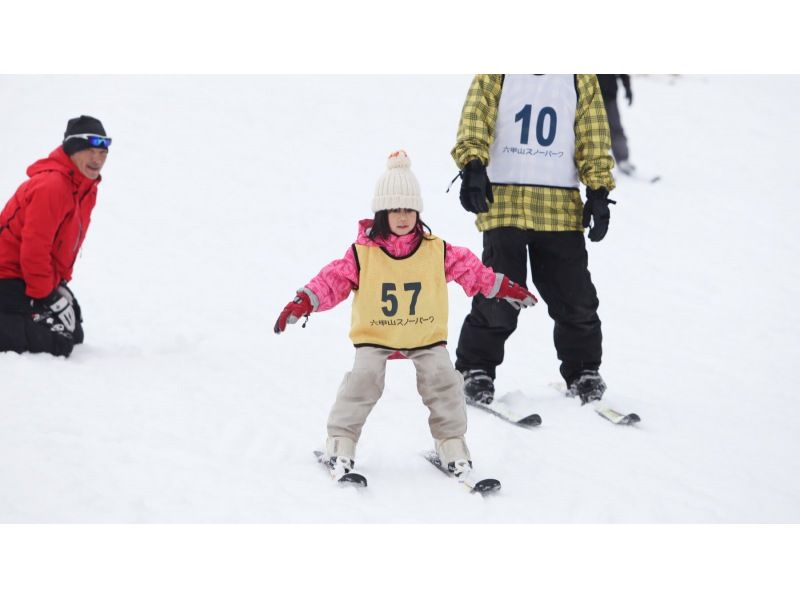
<point>531,207</point>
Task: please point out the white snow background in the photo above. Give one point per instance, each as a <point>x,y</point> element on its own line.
<point>224,194</point>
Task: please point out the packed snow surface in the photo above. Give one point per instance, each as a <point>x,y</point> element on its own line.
<point>222,195</point>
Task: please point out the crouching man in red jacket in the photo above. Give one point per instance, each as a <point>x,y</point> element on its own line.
<point>42,228</point>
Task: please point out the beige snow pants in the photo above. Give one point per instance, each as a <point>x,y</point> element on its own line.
<point>439,384</point>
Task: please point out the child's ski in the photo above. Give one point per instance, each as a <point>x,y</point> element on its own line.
<point>482,487</point>
<point>350,477</point>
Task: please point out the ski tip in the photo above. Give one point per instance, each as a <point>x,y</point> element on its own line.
<point>626,420</point>
<point>616,417</point>
<point>353,478</point>
<point>531,420</point>
<point>486,486</point>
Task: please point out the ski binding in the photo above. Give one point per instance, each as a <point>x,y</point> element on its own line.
<point>351,477</point>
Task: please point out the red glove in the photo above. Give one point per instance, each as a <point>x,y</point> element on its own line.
<point>515,294</point>
<point>297,308</point>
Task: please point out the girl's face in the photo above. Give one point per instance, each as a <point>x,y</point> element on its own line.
<point>402,222</point>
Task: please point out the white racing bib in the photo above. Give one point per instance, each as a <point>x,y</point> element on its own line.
<point>534,141</point>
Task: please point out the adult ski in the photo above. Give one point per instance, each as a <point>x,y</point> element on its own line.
<point>602,408</point>
<point>349,478</point>
<point>642,177</point>
<point>508,408</point>
<point>527,421</point>
<point>614,416</point>
<point>649,178</point>
<point>475,486</point>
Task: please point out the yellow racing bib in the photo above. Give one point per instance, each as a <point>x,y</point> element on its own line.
<point>401,303</point>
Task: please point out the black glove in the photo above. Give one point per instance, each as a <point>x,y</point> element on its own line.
<point>596,212</point>
<point>56,312</point>
<point>629,96</point>
<point>475,188</point>
<point>65,291</point>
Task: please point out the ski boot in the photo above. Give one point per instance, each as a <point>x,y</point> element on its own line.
<point>340,454</point>
<point>339,458</point>
<point>340,466</point>
<point>588,385</point>
<point>478,387</point>
<point>454,453</point>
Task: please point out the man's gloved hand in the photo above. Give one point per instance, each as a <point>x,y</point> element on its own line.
<point>73,301</point>
<point>297,308</point>
<point>629,96</point>
<point>597,213</point>
<point>56,312</point>
<point>517,295</point>
<point>475,188</point>
<point>63,290</point>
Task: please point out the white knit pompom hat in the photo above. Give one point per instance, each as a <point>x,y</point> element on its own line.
<point>398,187</point>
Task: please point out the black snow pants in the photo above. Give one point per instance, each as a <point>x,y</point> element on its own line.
<point>559,270</point>
<point>18,331</point>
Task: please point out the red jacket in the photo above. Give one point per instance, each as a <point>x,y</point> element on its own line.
<point>43,225</point>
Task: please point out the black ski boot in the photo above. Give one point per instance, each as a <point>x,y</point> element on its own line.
<point>478,387</point>
<point>588,385</point>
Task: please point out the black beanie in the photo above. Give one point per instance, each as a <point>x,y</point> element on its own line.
<point>77,126</point>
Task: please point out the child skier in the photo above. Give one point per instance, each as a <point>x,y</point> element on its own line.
<point>399,272</point>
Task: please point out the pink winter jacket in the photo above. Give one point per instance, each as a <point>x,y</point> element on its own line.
<point>335,281</point>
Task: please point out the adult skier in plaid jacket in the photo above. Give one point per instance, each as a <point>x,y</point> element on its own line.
<point>524,144</point>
